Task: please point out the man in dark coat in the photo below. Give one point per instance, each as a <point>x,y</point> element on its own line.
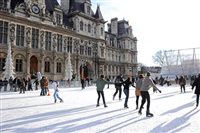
<point>197,89</point>
<point>118,85</point>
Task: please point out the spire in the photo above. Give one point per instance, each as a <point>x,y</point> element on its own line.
<point>98,13</point>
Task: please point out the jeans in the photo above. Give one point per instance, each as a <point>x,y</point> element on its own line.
<point>56,96</point>
<point>118,88</point>
<point>42,93</point>
<point>126,92</point>
<point>100,93</point>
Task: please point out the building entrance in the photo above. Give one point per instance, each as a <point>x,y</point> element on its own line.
<point>33,65</point>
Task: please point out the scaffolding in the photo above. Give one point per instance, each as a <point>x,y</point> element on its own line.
<point>182,62</point>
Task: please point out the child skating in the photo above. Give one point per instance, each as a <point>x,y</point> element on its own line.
<point>56,95</point>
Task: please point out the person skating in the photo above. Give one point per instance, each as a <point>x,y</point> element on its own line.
<point>118,86</point>
<point>42,85</point>
<point>56,90</point>
<point>146,85</point>
<point>100,84</point>
<point>127,84</point>
<point>137,89</point>
<point>182,83</point>
<point>196,84</point>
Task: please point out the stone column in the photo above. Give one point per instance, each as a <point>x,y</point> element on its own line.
<point>12,34</point>
<point>28,50</point>
<point>54,54</point>
<point>41,61</point>
<point>76,50</point>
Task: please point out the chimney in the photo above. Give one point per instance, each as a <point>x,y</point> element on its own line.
<point>65,5</point>
<point>114,26</point>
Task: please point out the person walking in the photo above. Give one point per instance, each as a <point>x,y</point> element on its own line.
<point>127,84</point>
<point>22,86</point>
<point>56,90</point>
<point>100,84</point>
<point>42,85</point>
<point>197,89</point>
<point>30,84</point>
<point>36,82</point>
<point>83,82</point>
<point>108,79</point>
<point>46,87</point>
<point>10,81</point>
<point>146,85</point>
<point>182,83</point>
<point>137,89</point>
<point>118,86</point>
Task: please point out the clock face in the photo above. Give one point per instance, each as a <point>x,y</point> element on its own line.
<point>35,9</point>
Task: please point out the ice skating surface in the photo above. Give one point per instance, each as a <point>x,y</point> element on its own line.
<point>24,113</point>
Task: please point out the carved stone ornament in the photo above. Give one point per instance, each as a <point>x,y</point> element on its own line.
<point>12,32</point>
<point>42,38</point>
<point>28,34</point>
<point>54,41</point>
<point>27,8</point>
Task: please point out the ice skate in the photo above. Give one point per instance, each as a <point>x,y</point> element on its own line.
<point>149,114</point>
<point>140,112</point>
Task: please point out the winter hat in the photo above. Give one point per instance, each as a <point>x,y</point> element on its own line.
<point>148,74</point>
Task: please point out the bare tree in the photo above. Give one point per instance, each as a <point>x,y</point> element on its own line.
<point>159,58</point>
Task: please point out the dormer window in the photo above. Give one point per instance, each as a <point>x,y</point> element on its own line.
<point>88,9</point>
<point>58,19</point>
<point>81,26</point>
<point>89,28</point>
<point>3,3</point>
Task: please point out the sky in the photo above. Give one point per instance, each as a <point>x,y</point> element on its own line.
<point>157,24</point>
<point>31,113</point>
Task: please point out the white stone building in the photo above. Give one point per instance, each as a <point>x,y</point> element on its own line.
<point>42,33</point>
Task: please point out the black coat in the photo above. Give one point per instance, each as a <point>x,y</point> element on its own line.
<point>127,84</point>
<point>118,81</point>
<point>197,84</point>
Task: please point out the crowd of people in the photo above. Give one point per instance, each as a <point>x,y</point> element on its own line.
<point>142,84</point>
<point>21,84</point>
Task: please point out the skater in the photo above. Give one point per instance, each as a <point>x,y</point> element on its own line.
<point>100,84</point>
<point>108,79</point>
<point>146,85</point>
<point>42,85</point>
<point>83,83</point>
<point>30,85</point>
<point>5,83</point>
<point>197,89</point>
<point>56,95</point>
<point>46,84</point>
<point>36,82</point>
<point>118,86</point>
<point>22,86</point>
<point>10,81</point>
<point>182,83</point>
<point>138,87</point>
<point>127,84</point>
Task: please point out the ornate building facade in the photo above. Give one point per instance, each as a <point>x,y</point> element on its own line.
<point>42,33</point>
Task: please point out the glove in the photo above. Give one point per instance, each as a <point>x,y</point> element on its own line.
<point>160,91</point>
